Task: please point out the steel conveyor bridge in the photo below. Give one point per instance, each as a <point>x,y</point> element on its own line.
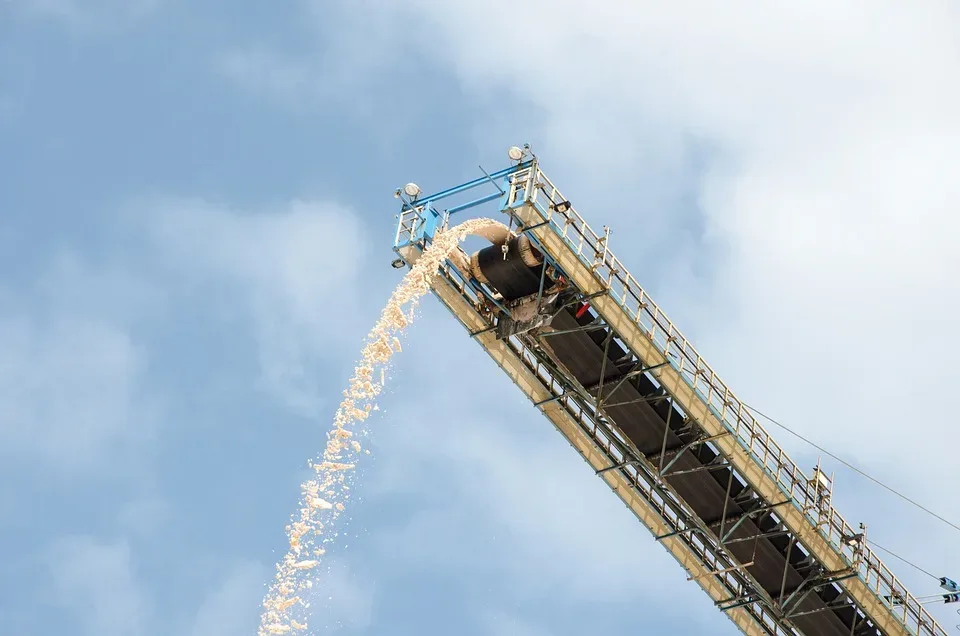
<point>560,314</point>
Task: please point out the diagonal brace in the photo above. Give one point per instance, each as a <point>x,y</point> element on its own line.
<point>686,447</point>
<point>743,517</point>
<point>638,369</point>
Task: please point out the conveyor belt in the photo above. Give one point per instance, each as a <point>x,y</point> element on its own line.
<point>660,428</point>
<point>642,418</point>
<point>515,278</point>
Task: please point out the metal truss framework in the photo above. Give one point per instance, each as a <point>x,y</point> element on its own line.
<point>775,491</point>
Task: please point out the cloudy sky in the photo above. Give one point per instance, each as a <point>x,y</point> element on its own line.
<point>196,216</point>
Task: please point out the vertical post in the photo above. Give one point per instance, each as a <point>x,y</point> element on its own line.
<point>726,502</point>
<point>786,568</point>
<point>603,366</point>
<point>531,182</point>
<point>606,239</point>
<point>666,433</point>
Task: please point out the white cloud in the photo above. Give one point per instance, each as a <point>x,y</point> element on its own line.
<point>528,512</point>
<point>70,383</point>
<point>819,276</point>
<point>826,198</point>
<point>263,70</point>
<point>73,386</point>
<point>830,192</point>
<point>340,65</point>
<point>341,599</point>
<point>498,491</point>
<point>147,517</point>
<point>232,608</point>
<point>502,624</point>
<point>295,272</point>
<point>97,580</point>
<point>101,286</point>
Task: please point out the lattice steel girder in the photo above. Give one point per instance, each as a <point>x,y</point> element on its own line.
<point>537,392</point>
<point>653,477</point>
<point>716,464</point>
<point>678,453</point>
<point>813,583</point>
<point>669,377</point>
<point>727,531</point>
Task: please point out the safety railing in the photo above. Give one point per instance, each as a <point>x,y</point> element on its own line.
<point>612,445</point>
<point>532,187</point>
<point>407,224</point>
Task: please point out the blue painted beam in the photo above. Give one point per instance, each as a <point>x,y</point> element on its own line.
<point>466,206</point>
<point>466,186</point>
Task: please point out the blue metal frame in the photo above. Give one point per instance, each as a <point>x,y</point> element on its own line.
<point>429,218</point>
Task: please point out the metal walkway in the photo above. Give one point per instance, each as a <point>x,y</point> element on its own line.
<point>561,315</point>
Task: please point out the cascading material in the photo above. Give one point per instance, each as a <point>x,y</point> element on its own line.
<point>286,606</point>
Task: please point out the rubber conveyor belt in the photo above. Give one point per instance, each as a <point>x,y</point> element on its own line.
<point>580,354</point>
<point>514,278</point>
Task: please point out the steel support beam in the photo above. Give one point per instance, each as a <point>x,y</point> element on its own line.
<point>683,449</point>
<point>514,367</point>
<point>739,519</point>
<point>716,464</point>
<point>638,369</point>
<point>656,474</point>
<point>683,393</point>
<point>811,585</point>
<point>596,325</point>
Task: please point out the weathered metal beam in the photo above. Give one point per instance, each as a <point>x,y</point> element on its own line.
<point>638,369</point>
<point>710,466</point>
<point>593,326</point>
<point>670,378</point>
<point>739,519</point>
<point>688,446</point>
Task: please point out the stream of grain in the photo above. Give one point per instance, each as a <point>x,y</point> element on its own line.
<point>324,496</point>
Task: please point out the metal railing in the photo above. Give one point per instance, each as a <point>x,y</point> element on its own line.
<point>613,446</point>
<point>532,187</point>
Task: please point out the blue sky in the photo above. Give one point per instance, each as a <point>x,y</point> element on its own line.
<point>195,236</point>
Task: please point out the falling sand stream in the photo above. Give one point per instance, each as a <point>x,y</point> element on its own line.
<point>323,497</point>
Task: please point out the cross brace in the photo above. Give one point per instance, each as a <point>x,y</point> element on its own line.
<point>810,585</point>
<point>686,447</point>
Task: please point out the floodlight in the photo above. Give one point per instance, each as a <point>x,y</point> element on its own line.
<point>412,190</point>
<point>515,153</point>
